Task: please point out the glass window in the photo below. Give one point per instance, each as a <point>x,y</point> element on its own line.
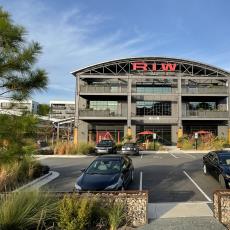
<point>104,166</point>
<point>103,105</point>
<point>157,108</point>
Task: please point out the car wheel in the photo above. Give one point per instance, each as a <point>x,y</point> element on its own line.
<point>222,181</point>
<point>205,170</point>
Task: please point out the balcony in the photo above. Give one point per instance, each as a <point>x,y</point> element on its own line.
<point>100,113</point>
<point>205,114</point>
<point>214,90</point>
<point>155,90</point>
<point>56,107</point>
<point>102,89</point>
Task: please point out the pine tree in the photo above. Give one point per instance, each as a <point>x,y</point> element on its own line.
<point>18,76</point>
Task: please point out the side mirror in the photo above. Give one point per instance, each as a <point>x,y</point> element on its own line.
<point>82,170</point>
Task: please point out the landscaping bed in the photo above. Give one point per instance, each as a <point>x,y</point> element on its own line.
<point>73,211</point>
<point>16,173</point>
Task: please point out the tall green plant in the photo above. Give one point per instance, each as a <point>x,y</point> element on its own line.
<point>24,210</point>
<point>75,213</point>
<point>18,76</point>
<point>116,215</point>
<point>16,133</point>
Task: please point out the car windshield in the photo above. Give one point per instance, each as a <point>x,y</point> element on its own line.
<point>105,143</point>
<point>224,159</point>
<point>104,166</point>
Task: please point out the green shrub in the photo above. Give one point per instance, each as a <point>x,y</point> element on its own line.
<point>17,172</point>
<point>158,146</point>
<point>75,213</point>
<point>85,148</point>
<point>69,148</point>
<point>119,146</point>
<point>116,215</point>
<point>99,217</point>
<point>187,145</point>
<point>27,210</point>
<point>218,143</point>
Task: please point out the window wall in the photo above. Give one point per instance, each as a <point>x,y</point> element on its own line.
<point>157,108</point>
<point>201,105</point>
<point>103,105</point>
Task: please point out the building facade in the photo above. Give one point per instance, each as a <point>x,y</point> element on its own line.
<point>167,96</point>
<point>18,107</point>
<point>62,109</point>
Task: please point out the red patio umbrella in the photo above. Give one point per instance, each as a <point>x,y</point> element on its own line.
<point>145,132</point>
<point>203,132</point>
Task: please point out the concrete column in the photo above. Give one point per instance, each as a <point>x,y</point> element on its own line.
<point>76,119</point>
<point>180,128</point>
<point>222,131</point>
<point>82,131</point>
<point>129,102</point>
<point>174,130</point>
<point>228,101</point>
<point>133,131</point>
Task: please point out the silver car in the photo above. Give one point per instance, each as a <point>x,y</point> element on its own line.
<point>130,148</point>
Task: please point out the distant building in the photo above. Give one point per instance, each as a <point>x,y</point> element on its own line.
<point>8,106</point>
<point>62,109</point>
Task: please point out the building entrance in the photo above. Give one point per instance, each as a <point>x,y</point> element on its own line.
<point>163,133</point>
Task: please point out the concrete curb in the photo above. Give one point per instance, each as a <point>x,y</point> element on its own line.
<point>178,151</point>
<point>61,156</point>
<point>39,182</point>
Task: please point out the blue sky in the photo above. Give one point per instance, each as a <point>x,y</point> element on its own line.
<point>77,33</point>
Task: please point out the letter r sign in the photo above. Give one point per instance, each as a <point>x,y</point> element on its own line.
<point>139,66</point>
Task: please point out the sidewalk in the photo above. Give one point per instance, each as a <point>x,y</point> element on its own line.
<point>181,216</point>
<point>184,223</point>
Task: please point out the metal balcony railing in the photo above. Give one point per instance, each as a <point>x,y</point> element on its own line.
<point>163,90</point>
<point>205,113</point>
<point>58,107</point>
<point>102,89</point>
<point>199,90</point>
<point>100,113</point>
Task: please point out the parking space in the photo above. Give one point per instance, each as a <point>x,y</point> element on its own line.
<point>174,177</point>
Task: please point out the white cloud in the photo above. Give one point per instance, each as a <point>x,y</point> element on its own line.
<point>74,38</point>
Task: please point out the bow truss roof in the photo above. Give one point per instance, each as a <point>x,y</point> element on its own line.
<point>123,67</point>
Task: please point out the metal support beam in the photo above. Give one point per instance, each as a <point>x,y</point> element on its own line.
<point>129,102</point>
<point>76,121</point>
<point>179,101</point>
<point>228,111</point>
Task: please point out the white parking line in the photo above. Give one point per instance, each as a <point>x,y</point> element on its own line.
<point>190,155</point>
<point>198,187</point>
<point>140,188</point>
<point>173,155</point>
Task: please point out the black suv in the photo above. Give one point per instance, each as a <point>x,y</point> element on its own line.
<point>106,147</point>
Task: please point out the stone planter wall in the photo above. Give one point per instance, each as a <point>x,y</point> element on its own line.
<point>221,204</point>
<point>136,203</point>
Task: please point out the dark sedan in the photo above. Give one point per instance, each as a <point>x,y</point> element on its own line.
<point>130,148</point>
<point>108,172</point>
<point>106,147</point>
<point>217,163</point>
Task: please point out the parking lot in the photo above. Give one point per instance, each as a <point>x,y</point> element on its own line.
<point>172,177</point>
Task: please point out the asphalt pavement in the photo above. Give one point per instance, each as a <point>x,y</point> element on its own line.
<point>180,195</point>
<point>173,177</point>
